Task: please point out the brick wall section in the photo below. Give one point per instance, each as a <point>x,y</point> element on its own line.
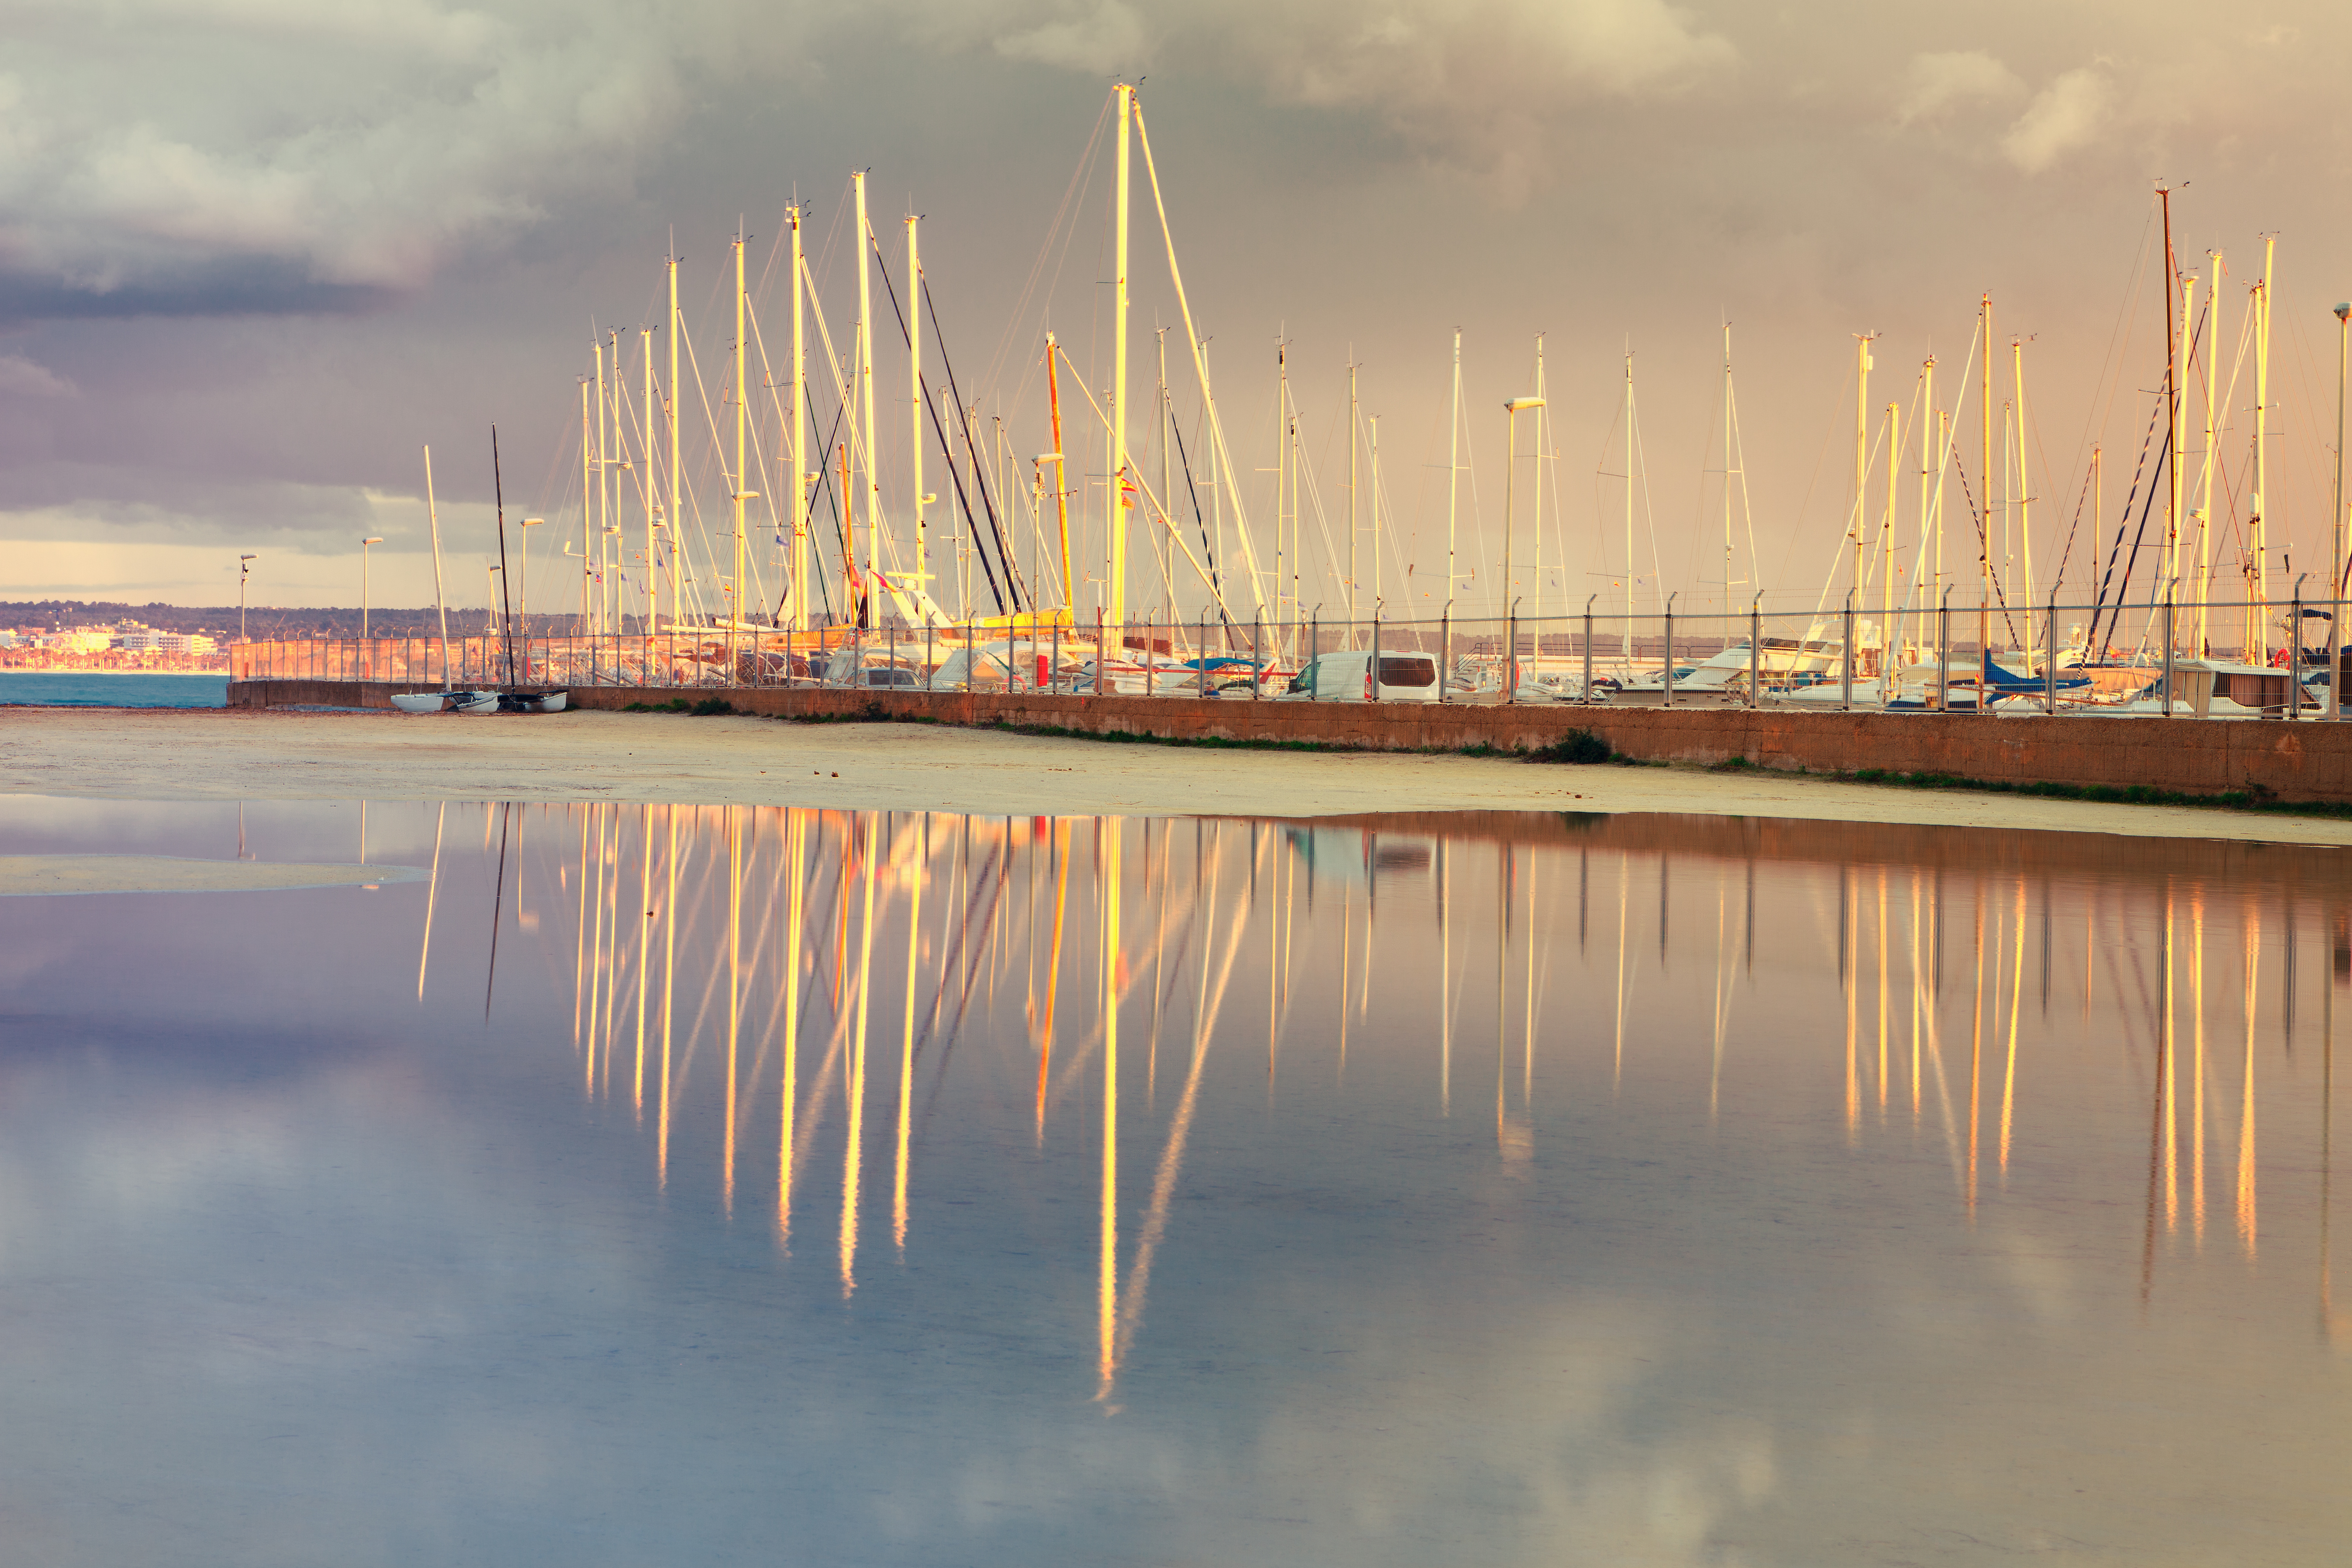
<point>2301,761</point>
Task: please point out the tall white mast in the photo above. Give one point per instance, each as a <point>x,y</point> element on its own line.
<point>2205,480</point>
<point>1452,471</point>
<point>1374,426</point>
<point>592,543</point>
<point>644,491</point>
<point>1861,453</point>
<point>1352,441</point>
<point>1116,606</point>
<point>673,519</point>
<point>866,385</point>
<point>1542,409</point>
<point>914,405</point>
<point>1727,473</point>
<point>799,439</point>
<point>1629,513</point>
<point>741,489</point>
<point>2258,632</point>
<point>1922,579</point>
<point>432,520</point>
<point>587,509</point>
<point>2025,485</point>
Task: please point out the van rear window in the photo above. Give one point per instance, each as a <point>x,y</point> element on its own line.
<point>1408,672</point>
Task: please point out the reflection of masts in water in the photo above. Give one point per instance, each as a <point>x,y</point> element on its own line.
<point>1106,865</point>
<point>849,1170</point>
<point>1058,848</point>
<point>906,1044</point>
<point>1624,914</point>
<point>2197,1036</point>
<point>644,943</point>
<point>432,889</point>
<point>1976,1047</point>
<point>498,911</point>
<point>734,988</point>
<point>1209,1004</point>
<point>2247,1216</point>
<point>1444,984</point>
<point>2016,1001</point>
<point>595,949</point>
<point>2327,1149</point>
<point>669,979</point>
<point>796,896</point>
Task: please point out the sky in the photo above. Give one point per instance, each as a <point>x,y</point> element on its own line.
<point>256,255</point>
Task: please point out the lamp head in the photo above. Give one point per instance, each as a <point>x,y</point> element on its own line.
<point>1521,404</point>
<point>368,542</point>
<point>2342,310</point>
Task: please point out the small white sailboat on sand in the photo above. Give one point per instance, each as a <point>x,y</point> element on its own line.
<point>473,699</point>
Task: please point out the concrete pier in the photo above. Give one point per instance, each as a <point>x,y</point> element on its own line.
<point>2301,761</point>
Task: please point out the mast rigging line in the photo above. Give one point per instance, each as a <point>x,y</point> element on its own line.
<point>2091,637</point>
<point>1020,594</point>
<point>931,407</point>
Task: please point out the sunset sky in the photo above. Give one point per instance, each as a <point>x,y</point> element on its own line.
<point>256,254</point>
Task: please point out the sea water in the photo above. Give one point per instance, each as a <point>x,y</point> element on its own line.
<point>114,688</point>
<point>652,1184</point>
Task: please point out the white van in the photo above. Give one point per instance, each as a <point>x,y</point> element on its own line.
<point>1346,677</point>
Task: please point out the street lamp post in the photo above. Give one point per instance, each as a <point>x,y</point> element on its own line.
<point>364,584</point>
<point>1511,412</point>
<point>243,570</point>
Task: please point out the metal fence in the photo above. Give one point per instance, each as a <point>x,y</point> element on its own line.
<point>2213,659</point>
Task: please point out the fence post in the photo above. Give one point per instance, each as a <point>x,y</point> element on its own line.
<point>1511,653</point>
<point>1445,650</point>
<point>1943,652</point>
<point>2050,660</point>
<point>1667,668</point>
<point>1204,652</point>
<point>1376,650</point>
<point>1257,664</point>
<point>2167,661</point>
<point>1756,651</point>
<point>1587,647</point>
<point>1845,661</point>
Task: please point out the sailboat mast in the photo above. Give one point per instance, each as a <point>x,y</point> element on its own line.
<point>646,491</point>
<point>2024,484</point>
<point>1629,514</point>
<point>800,436</point>
<point>1984,478</point>
<point>915,402</point>
<point>587,510</point>
<point>1927,460</point>
<point>1061,471</point>
<point>1538,464</point>
<point>2205,478</point>
<point>1727,473</point>
<point>1118,486</point>
<point>1283,497</point>
<point>1886,546</point>
<point>872,486</point>
<point>1167,477</point>
<point>1374,426</point>
<point>1454,472</point>
<point>674,518</point>
<point>736,613</point>
<point>1353,425</point>
<point>1861,453</point>
<point>592,542</point>
<point>433,521</point>
<point>2258,631</point>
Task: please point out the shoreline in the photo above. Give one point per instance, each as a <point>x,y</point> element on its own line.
<point>208,753</point>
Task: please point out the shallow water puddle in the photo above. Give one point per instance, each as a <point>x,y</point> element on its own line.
<point>720,1184</point>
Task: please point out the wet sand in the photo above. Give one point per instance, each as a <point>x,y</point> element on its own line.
<point>23,875</point>
<point>232,755</point>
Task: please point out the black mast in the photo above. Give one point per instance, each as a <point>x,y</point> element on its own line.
<point>506,589</point>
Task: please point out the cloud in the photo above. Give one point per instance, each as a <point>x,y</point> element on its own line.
<point>1935,84</point>
<point>1108,39</point>
<point>2064,117</point>
<point>20,377</point>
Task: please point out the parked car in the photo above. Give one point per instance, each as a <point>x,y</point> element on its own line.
<point>1347,676</point>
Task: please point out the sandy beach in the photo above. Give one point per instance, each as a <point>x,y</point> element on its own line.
<point>226,755</point>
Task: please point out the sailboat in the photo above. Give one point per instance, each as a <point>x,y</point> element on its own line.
<point>450,700</point>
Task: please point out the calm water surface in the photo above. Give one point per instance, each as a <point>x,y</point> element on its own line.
<point>103,689</point>
<point>727,1185</point>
